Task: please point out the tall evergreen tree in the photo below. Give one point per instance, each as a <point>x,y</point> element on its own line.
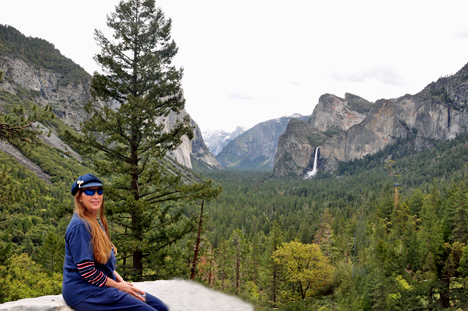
<point>273,270</point>
<point>240,249</point>
<point>128,139</point>
<point>50,255</point>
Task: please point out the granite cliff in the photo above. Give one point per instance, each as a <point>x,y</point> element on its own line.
<point>331,117</point>
<point>437,113</point>
<point>191,150</point>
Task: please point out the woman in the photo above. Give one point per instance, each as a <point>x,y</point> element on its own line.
<point>90,281</point>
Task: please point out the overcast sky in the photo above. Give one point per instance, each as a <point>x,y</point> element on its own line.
<point>248,61</point>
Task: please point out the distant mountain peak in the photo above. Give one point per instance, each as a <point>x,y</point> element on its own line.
<point>216,140</point>
<point>256,147</point>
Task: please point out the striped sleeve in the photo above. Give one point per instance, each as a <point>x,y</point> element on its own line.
<point>88,271</point>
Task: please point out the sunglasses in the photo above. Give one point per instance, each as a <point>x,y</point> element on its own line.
<point>91,192</point>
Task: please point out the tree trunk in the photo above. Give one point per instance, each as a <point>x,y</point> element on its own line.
<point>237,269</point>
<point>275,276</point>
<point>195,256</point>
<point>445,293</point>
<point>137,231</point>
<point>138,265</point>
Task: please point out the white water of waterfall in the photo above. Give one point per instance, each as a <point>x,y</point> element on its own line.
<point>314,170</point>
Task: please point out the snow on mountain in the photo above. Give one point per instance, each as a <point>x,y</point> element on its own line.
<point>218,139</point>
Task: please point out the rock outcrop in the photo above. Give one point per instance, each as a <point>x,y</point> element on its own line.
<point>332,116</point>
<point>178,295</point>
<point>333,112</point>
<point>46,87</point>
<point>194,149</point>
<point>437,113</point>
<point>298,137</point>
<point>11,150</point>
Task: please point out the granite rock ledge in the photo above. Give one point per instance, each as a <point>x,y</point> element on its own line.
<point>179,295</point>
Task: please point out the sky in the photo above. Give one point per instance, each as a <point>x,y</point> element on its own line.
<point>249,61</point>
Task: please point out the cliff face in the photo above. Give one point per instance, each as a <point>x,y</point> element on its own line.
<point>47,87</point>
<point>333,112</point>
<point>295,148</point>
<point>332,116</point>
<point>437,113</point>
<point>194,149</point>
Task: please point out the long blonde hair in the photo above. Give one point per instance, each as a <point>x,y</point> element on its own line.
<point>102,244</point>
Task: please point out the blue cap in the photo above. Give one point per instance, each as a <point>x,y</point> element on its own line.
<point>85,181</point>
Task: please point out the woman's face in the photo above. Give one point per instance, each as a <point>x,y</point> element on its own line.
<point>92,202</point>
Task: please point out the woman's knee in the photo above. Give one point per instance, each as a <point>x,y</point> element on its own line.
<point>156,303</point>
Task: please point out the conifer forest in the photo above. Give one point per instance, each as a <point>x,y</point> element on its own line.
<point>391,237</point>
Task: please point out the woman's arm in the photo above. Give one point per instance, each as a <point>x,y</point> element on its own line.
<point>118,278</point>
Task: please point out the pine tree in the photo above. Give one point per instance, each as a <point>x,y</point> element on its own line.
<point>272,277</point>
<point>51,253</point>
<point>458,209</point>
<point>240,249</point>
<point>129,142</point>
<point>17,129</point>
<point>224,262</point>
<point>324,237</point>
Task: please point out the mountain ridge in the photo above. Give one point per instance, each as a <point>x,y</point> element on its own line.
<point>255,148</point>
<point>436,113</point>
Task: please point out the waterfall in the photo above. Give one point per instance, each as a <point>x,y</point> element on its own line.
<point>314,170</point>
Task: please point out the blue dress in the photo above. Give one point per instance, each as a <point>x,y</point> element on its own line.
<point>80,294</point>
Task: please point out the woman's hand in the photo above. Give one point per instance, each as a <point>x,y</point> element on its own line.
<point>126,288</point>
<point>130,289</point>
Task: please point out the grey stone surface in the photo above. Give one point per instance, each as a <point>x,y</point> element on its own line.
<point>179,295</point>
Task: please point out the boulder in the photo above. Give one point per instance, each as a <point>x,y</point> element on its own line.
<point>178,295</point>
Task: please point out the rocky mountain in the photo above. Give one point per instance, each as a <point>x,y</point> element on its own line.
<point>255,148</point>
<point>332,115</point>
<point>217,140</point>
<point>34,70</point>
<point>191,150</point>
<point>437,113</point>
<point>335,113</point>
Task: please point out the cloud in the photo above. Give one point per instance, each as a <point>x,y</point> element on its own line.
<point>461,34</point>
<point>383,75</point>
<point>239,96</point>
